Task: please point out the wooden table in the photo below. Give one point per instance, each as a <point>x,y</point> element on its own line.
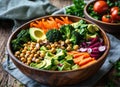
<point>5,30</point>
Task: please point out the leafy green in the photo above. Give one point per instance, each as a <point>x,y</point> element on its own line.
<point>53,35</point>
<point>21,38</point>
<point>66,31</point>
<point>77,8</point>
<point>75,37</point>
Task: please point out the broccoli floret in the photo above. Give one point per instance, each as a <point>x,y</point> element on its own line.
<point>66,31</point>
<point>53,35</point>
<point>75,38</point>
<point>60,54</point>
<point>21,38</point>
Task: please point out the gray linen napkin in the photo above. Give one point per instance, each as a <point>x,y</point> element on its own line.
<point>113,56</point>
<point>21,11</point>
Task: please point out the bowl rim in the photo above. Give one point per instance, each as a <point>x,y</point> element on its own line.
<point>86,13</point>
<point>51,71</point>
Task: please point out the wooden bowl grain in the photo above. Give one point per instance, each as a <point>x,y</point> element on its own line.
<point>58,78</point>
<point>108,27</point>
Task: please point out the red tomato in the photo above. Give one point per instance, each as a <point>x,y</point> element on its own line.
<point>114,8</point>
<point>116,14</point>
<point>100,7</point>
<point>107,18</point>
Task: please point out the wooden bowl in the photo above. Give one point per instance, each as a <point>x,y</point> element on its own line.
<point>58,78</point>
<point>108,27</point>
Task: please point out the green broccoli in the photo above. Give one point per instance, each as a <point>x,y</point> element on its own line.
<point>75,37</point>
<point>21,38</point>
<point>60,54</point>
<point>53,35</point>
<point>66,31</point>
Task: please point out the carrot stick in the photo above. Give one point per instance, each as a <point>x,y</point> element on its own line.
<point>85,61</point>
<point>77,60</point>
<point>89,63</point>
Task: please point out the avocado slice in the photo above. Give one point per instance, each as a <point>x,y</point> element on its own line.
<point>36,34</point>
<point>75,67</point>
<point>88,36</point>
<point>92,28</point>
<point>39,66</point>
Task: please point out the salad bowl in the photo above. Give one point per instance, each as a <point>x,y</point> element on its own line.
<point>57,77</point>
<point>107,24</point>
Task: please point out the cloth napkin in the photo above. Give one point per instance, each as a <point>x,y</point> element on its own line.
<point>21,11</point>
<point>24,10</point>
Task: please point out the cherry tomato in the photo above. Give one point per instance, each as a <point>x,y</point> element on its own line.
<point>100,7</point>
<point>116,14</point>
<point>114,8</point>
<point>107,18</point>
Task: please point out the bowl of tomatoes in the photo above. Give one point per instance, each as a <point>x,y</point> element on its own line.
<point>58,50</point>
<point>105,13</point>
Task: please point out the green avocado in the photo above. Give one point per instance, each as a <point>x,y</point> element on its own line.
<point>37,34</point>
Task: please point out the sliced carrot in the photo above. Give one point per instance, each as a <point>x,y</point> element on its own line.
<point>89,63</point>
<point>78,60</point>
<point>59,21</point>
<point>47,24</point>
<point>85,61</point>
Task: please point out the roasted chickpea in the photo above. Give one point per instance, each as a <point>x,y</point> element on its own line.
<point>48,46</point>
<point>37,60</point>
<point>67,41</point>
<point>42,54</point>
<point>68,48</point>
<point>35,55</point>
<point>53,50</point>
<point>17,53</point>
<point>52,45</point>
<point>22,55</point>
<point>23,59</point>
<point>75,47</point>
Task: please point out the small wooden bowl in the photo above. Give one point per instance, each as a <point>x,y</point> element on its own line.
<point>108,27</point>
<point>58,78</point>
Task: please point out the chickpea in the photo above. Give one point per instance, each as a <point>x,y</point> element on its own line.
<point>24,51</point>
<point>29,59</point>
<point>25,44</point>
<point>25,48</point>
<point>32,51</point>
<point>67,41</point>
<point>35,55</point>
<point>31,48</point>
<point>56,44</point>
<point>29,43</point>
<point>75,47</point>
<point>22,55</point>
<point>38,52</point>
<point>28,62</point>
<point>53,50</point>
<point>48,46</point>
<point>42,54</point>
<point>62,47</point>
<point>39,41</point>
<point>68,48</point>
<point>62,43</point>
<point>37,60</point>
<point>26,55</point>
<point>23,59</point>
<point>17,52</point>
<point>52,45</point>
<point>28,52</point>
